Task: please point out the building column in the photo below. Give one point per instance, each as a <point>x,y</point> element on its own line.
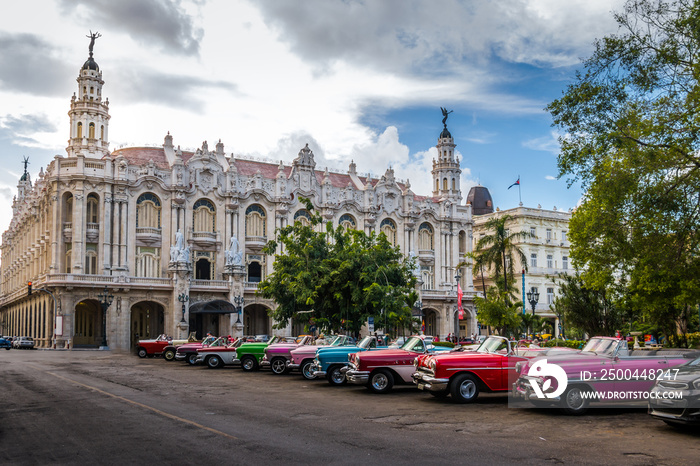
<point>107,234</point>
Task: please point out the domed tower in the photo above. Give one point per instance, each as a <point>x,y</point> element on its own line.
<point>89,115</point>
<point>446,171</point>
<point>479,198</point>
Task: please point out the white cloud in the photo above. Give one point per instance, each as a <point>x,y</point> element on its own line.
<point>548,143</point>
<point>550,177</point>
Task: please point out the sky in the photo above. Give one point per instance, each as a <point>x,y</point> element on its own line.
<point>358,80</point>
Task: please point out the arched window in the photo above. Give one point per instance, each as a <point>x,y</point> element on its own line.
<point>93,206</point>
<point>462,243</point>
<point>68,212</point>
<point>425,237</point>
<point>388,227</point>
<point>148,211</point>
<point>437,184</point>
<point>91,131</point>
<point>69,258</point>
<point>426,273</point>
<point>204,265</point>
<point>444,183</point>
<point>102,132</point>
<point>204,216</point>
<point>147,262</point>
<point>347,222</point>
<point>255,221</point>
<point>303,217</point>
<point>454,185</point>
<point>80,130</point>
<point>91,259</point>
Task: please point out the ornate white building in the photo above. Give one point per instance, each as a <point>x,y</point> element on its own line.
<point>546,249</point>
<point>176,237</point>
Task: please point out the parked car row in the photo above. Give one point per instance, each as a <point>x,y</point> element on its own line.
<point>16,342</point>
<point>556,377</point>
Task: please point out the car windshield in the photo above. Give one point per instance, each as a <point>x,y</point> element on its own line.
<point>493,345</point>
<point>600,346</point>
<point>339,340</point>
<point>366,342</point>
<point>414,344</point>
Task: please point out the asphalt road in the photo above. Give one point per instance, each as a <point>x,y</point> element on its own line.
<point>93,407</point>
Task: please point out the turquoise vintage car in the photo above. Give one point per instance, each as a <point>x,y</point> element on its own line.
<point>330,360</point>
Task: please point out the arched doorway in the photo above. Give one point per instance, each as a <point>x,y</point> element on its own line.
<point>147,321</point>
<point>430,319</point>
<point>87,325</point>
<point>205,316</point>
<point>257,322</point>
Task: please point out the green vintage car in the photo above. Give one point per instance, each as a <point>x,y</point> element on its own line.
<point>250,354</point>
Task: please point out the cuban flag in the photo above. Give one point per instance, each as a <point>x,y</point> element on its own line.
<point>422,326</point>
<point>517,183</point>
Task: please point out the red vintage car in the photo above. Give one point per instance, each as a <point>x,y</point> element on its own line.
<point>463,374</point>
<point>155,347</point>
<point>379,370</point>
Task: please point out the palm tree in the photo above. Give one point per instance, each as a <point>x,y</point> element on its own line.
<point>496,251</point>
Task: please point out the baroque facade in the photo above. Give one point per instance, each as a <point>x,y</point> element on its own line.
<point>175,237</point>
<point>546,249</point>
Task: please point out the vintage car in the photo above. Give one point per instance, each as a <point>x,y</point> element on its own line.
<point>5,343</point>
<point>216,357</point>
<point>330,361</point>
<point>250,354</point>
<point>605,371</point>
<point>156,346</point>
<point>677,401</point>
<point>23,343</point>
<point>276,355</point>
<point>170,351</point>
<point>381,370</point>
<point>188,351</point>
<point>302,358</point>
<point>464,372</point>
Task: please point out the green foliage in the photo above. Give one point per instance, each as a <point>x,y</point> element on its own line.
<point>496,311</point>
<point>631,137</point>
<point>690,340</point>
<point>337,278</point>
<point>586,308</point>
<point>576,344</point>
<point>446,344</point>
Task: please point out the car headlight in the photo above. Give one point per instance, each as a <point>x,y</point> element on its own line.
<point>432,365</point>
<point>356,360</point>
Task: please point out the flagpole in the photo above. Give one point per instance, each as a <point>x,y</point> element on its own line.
<point>520,196</point>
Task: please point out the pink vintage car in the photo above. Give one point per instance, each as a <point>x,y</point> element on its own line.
<point>277,354</point>
<point>604,371</point>
<point>302,358</point>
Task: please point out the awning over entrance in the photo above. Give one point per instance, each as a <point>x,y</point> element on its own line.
<point>217,306</point>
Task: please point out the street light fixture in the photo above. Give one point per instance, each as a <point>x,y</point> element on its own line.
<point>238,301</point>
<point>533,296</point>
<point>183,298</point>
<point>105,301</point>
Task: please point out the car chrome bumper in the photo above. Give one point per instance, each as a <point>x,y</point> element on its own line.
<point>355,377</point>
<point>291,365</point>
<point>523,390</point>
<point>180,357</point>
<point>428,382</point>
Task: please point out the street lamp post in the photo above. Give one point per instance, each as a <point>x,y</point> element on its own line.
<point>533,296</point>
<point>238,301</point>
<point>458,277</point>
<point>183,298</point>
<point>105,301</point>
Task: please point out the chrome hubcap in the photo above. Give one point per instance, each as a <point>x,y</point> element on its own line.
<point>467,389</point>
<point>379,382</point>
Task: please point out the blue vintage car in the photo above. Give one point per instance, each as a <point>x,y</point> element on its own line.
<point>5,343</point>
<point>329,360</point>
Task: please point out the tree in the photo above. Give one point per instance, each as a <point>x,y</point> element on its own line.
<point>630,136</point>
<point>591,310</point>
<point>496,251</point>
<point>531,322</point>
<point>338,278</point>
<point>498,310</point>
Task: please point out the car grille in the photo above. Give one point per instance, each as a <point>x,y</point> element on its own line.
<point>425,370</point>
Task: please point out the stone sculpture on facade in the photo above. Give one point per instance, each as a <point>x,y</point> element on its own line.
<point>234,256</point>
